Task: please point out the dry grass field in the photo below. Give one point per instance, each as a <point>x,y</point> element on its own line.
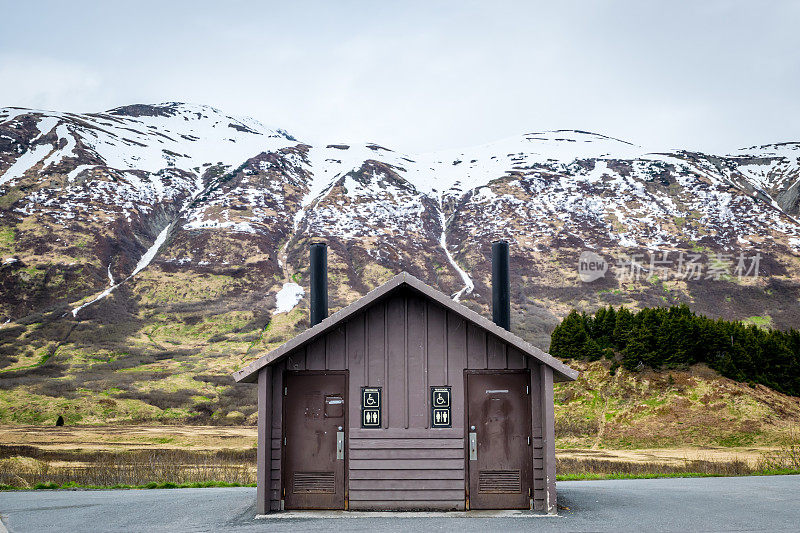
<point>177,455</point>
<point>131,437</point>
<point>83,439</point>
<point>32,456</point>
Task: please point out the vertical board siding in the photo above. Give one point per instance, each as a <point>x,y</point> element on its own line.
<point>335,349</point>
<point>516,359</point>
<point>476,348</point>
<point>415,370</point>
<point>437,351</point>
<point>456,355</point>
<point>355,344</point>
<point>406,344</point>
<point>376,346</point>
<point>395,403</point>
<point>496,350</point>
<point>315,355</point>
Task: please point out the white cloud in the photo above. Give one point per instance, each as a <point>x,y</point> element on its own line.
<point>48,83</point>
<point>424,76</point>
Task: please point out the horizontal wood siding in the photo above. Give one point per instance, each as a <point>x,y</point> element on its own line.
<point>427,458</point>
<point>396,452</point>
<point>538,441</point>
<point>410,474</point>
<point>276,444</point>
<point>406,473</point>
<point>405,344</point>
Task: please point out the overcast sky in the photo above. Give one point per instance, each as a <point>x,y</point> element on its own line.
<point>424,76</point>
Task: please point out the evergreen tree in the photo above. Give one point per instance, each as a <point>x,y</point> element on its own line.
<point>591,350</point>
<point>609,324</point>
<point>569,337</point>
<point>622,328</point>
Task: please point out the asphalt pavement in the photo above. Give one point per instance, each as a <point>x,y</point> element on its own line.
<point>654,505</point>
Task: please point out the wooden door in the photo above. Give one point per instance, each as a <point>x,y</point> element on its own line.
<point>500,458</point>
<point>315,424</point>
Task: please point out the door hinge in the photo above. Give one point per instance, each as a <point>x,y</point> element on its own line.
<point>284,441</point>
<point>285,391</point>
<point>529,493</point>
<point>529,441</point>
<point>527,389</point>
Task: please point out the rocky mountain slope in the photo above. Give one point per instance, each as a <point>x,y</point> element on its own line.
<point>148,250</point>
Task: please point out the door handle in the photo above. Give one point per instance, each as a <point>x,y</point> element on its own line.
<point>473,446</point>
<point>340,444</point>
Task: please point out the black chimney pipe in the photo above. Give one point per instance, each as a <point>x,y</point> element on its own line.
<point>501,288</point>
<point>319,282</point>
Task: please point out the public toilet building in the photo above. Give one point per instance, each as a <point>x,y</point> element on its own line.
<point>406,400</point>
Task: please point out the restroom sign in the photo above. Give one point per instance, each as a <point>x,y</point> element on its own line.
<point>371,407</point>
<point>441,410</point>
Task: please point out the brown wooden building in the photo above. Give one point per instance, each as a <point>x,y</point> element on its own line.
<point>405,399</point>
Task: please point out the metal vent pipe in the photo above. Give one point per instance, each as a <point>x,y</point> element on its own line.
<point>501,287</point>
<point>319,282</point>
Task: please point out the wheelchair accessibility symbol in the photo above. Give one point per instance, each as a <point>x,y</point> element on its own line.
<point>441,397</point>
<point>371,398</point>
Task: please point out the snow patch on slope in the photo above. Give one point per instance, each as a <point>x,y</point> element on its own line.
<point>150,254</point>
<point>63,133</point>
<point>96,299</point>
<point>25,162</point>
<point>288,297</point>
<point>198,223</point>
<point>468,284</point>
<point>144,261</point>
<point>7,114</point>
<point>32,157</point>
<point>76,171</point>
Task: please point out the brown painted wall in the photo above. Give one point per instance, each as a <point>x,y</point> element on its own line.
<point>406,344</point>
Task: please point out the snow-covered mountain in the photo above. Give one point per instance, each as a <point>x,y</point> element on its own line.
<point>147,251</point>
<point>91,202</point>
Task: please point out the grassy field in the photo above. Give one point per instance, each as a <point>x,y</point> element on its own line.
<point>194,456</point>
<point>125,438</point>
<point>126,456</point>
<point>683,408</point>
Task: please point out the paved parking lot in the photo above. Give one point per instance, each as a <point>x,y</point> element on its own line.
<point>698,504</point>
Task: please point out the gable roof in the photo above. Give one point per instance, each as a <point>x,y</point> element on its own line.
<point>249,374</point>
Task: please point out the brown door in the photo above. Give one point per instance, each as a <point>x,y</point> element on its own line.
<point>315,422</point>
<point>498,440</point>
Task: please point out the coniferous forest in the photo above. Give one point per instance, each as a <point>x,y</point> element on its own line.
<point>675,337</point>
